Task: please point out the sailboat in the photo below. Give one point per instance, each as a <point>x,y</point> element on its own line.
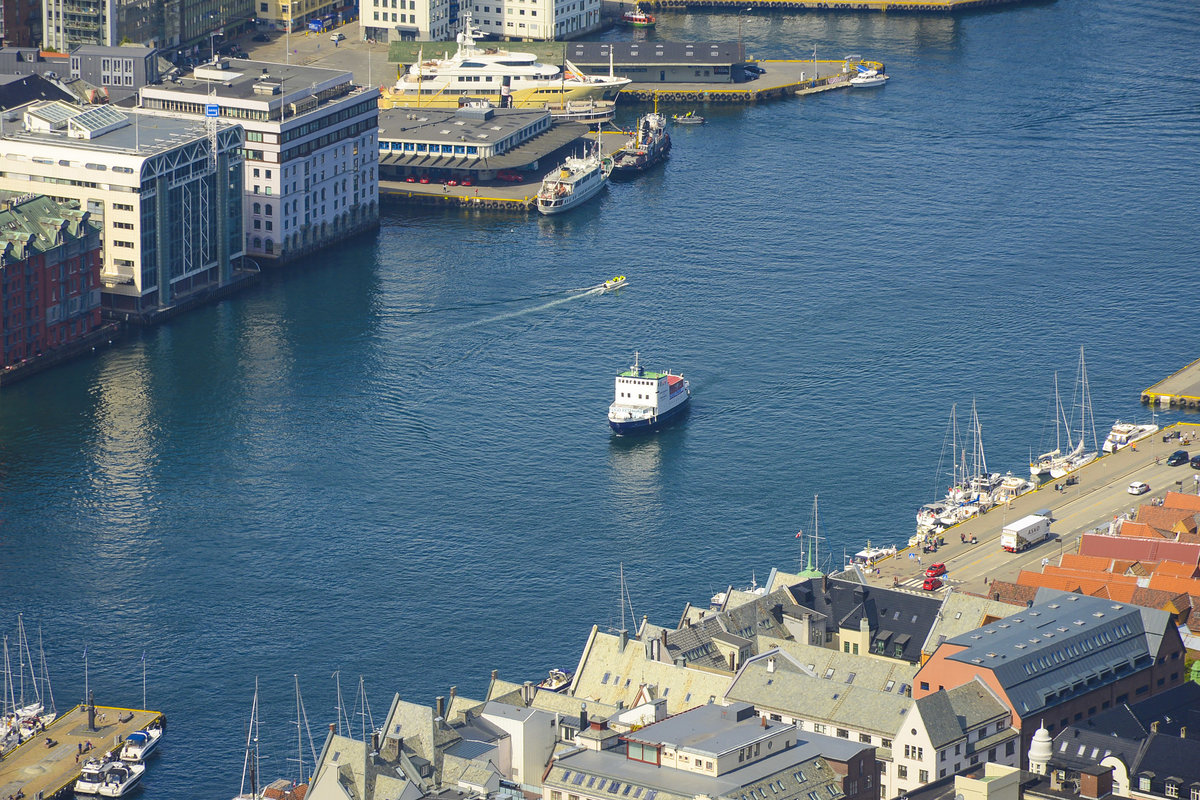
<point>25,715</point>
<point>1055,463</point>
<point>973,489</point>
<point>1039,468</point>
<point>250,764</point>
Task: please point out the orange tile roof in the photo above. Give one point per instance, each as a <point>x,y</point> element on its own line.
<point>1139,530</point>
<point>1121,566</point>
<point>1060,582</point>
<point>1167,519</point>
<point>1093,563</point>
<point>1179,500</point>
<point>1160,599</point>
<point>1177,570</point>
<point>1090,575</point>
<point>1168,583</point>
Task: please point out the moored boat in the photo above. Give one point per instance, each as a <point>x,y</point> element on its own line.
<point>574,182</point>
<point>645,401</point>
<point>649,145</point>
<point>866,78</point>
<point>690,118</point>
<point>140,745</point>
<point>506,79</point>
<point>122,778</point>
<point>638,18</point>
<point>1124,434</point>
<point>92,776</point>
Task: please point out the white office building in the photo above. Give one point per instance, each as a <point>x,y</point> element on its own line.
<point>535,19</point>
<point>311,168</point>
<point>167,192</point>
<point>401,20</point>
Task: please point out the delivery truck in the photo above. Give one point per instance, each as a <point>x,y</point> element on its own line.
<point>1024,533</point>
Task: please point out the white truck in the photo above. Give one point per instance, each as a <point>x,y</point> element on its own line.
<point>1025,532</point>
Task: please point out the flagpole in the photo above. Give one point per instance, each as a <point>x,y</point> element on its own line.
<point>85,674</point>
<point>144,706</point>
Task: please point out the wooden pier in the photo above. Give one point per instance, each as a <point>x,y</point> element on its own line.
<point>1179,390</point>
<point>47,765</point>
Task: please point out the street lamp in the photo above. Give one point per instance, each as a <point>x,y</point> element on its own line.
<point>742,52</point>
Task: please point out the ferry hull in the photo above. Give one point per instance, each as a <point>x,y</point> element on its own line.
<point>651,424</point>
<point>521,98</point>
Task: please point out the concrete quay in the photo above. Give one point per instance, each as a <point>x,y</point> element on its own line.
<point>1179,390</point>
<point>47,765</point>
<point>1099,495</point>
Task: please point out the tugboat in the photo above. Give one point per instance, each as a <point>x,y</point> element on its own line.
<point>638,18</point>
<point>646,401</point>
<point>649,145</point>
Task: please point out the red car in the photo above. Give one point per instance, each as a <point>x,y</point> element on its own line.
<point>452,182</point>
<point>931,584</point>
<point>410,179</point>
<point>935,570</point>
<point>509,175</point>
<point>467,182</point>
<point>424,179</point>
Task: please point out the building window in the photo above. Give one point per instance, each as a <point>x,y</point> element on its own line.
<point>885,743</point>
<point>923,776</point>
<point>843,733</point>
<point>1144,784</point>
<point>554,795</point>
<point>1172,790</point>
<point>902,772</point>
<point>924,686</point>
<point>865,738</point>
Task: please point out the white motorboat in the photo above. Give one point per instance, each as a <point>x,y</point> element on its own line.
<point>507,79</point>
<point>1126,433</point>
<point>866,78</point>
<point>615,283</point>
<point>92,776</point>
<point>140,745</point>
<point>574,182</point>
<point>121,779</point>
<point>1012,487</point>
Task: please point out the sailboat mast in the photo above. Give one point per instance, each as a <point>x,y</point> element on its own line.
<point>299,732</point>
<point>48,692</point>
<point>1086,418</point>
<point>10,702</point>
<point>248,766</point>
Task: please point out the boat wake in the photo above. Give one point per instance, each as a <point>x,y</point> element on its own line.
<point>578,294</point>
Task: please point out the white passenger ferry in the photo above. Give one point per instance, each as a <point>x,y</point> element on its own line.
<point>577,180</point>
<point>506,79</point>
<point>645,401</point>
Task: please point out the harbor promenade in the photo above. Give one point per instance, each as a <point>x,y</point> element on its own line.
<point>47,765</point>
<point>1180,389</point>
<point>1099,495</point>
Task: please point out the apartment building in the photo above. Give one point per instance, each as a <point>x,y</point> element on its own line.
<point>407,20</point>
<point>536,19</point>
<point>312,148</point>
<point>167,191</point>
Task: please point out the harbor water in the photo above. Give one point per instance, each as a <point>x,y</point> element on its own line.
<point>393,459</point>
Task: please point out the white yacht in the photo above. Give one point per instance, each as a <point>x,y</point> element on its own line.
<point>507,79</point>
<point>577,180</point>
<point>121,779</point>
<point>1126,433</point>
<point>866,78</point>
<point>140,745</point>
<point>92,776</point>
<point>1012,487</point>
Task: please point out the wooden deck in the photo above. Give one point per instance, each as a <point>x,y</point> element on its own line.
<point>37,769</point>
<point>1179,390</point>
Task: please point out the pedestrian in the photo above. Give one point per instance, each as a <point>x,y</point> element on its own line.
<point>918,561</point>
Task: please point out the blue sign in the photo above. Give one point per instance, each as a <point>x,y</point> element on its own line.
<point>212,110</point>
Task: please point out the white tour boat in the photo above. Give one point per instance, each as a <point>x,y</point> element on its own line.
<point>1126,433</point>
<point>575,182</point>
<point>507,79</point>
<point>140,745</point>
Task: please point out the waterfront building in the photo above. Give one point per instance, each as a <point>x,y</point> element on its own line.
<point>407,20</point>
<point>719,752</point>
<point>662,62</point>
<point>1066,658</point>
<point>167,192</point>
<point>316,16</point>
<point>159,23</point>
<point>312,148</point>
<point>50,257</point>
<point>536,19</point>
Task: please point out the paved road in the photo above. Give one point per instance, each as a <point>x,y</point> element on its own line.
<point>1100,495</point>
<point>367,61</point>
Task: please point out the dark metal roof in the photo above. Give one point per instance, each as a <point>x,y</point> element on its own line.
<point>523,155</point>
<point>699,53</point>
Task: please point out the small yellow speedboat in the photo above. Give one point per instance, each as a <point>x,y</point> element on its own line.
<point>615,283</point>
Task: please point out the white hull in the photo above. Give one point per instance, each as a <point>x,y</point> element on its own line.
<point>139,748</point>
<point>574,183</point>
<point>1067,467</point>
<point>122,780</point>
<point>1124,434</point>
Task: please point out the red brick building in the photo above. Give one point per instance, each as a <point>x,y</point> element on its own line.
<point>50,257</point>
<point>1063,660</point>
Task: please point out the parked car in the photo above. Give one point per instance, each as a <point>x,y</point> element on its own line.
<point>1138,487</point>
<point>509,175</point>
<point>935,570</point>
<point>757,70</point>
<point>452,182</point>
<point>467,182</point>
<point>423,179</point>
<point>1177,458</point>
<point>1196,462</point>
<point>931,584</point>
<point>410,179</point>
<point>260,37</point>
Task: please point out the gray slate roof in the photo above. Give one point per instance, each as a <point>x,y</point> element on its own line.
<point>1046,654</point>
<point>948,715</point>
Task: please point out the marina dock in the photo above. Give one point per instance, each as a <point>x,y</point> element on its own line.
<point>1178,390</point>
<point>1098,494</point>
<point>782,79</point>
<point>47,765</point>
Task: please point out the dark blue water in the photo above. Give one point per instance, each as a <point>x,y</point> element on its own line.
<point>394,460</point>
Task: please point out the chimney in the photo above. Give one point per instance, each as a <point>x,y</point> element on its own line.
<point>771,664</point>
<point>824,584</point>
<point>441,707</point>
<point>331,727</point>
<point>527,692</point>
<point>624,639</point>
<point>764,721</point>
<point>583,717</point>
<point>733,662</point>
<point>375,742</point>
<point>1095,783</point>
